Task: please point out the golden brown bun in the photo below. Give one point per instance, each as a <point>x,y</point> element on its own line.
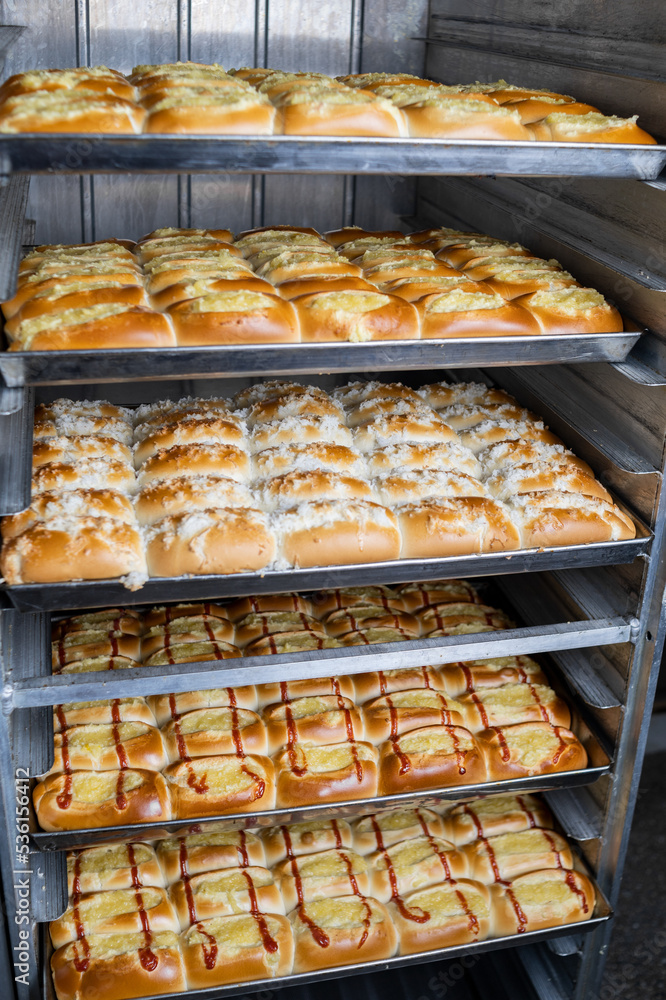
<point>118,911</point>
<point>299,487</point>
<point>186,628</point>
<point>504,857</point>
<point>411,486</point>
<point>400,712</point>
<point>440,394</point>
<point>247,118</point>
<point>514,703</point>
<point>124,960</point>
<point>296,839</point>
<point>456,913</point>
<point>403,428</point>
<point>215,849</point>
<point>447,455</point>
<point>68,449</point>
<point>303,429</point>
<point>530,748</point>
<point>416,596</point>
<point>326,601</point>
<point>593,127</point>
<point>335,773</point>
<point>547,898</point>
<point>455,527</point>
<point>133,327</point>
<point>381,682</point>
<point>192,652</point>
<point>372,118</point>
<point>91,643</point>
<point>317,284</point>
<point>220,540</point>
<point>99,78</point>
<point>84,473</point>
<point>365,616</point>
<point>516,452</point>
<point>545,475</point>
<point>39,282</point>
<point>490,432</point>
<point>493,815</point>
<point>309,687</point>
<point>185,289</point>
<point>463,119</point>
<point>322,875</point>
<point>504,319</point>
<point>358,392</point>
<point>356,316</point>
<point>439,616</point>
<point>368,636</point>
<point>210,786</point>
<point>186,494</point>
<point>375,832</point>
<point>341,931</point>
<point>165,705</point>
<point>265,319</point>
<point>237,949</point>
<point>414,863</point>
<point>262,623</point>
<point>102,713</point>
<point>290,642</point>
<point>73,548</point>
<point>268,602</point>
<point>113,866</point>
<point>302,404</point>
<point>555,518</point>
<point>49,112</point>
<point>59,301</point>
<point>202,430</point>
<point>209,731</point>
<point>107,747</point>
<point>337,532</point>
<point>349,234</point>
<point>572,310</point>
<point>459,678</point>
<point>432,757</point>
<point>220,893</point>
<point>316,720</point>
<point>98,799</point>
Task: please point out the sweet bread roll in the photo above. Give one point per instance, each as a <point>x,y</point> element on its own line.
<point>237,949</point>
<point>100,274</point>
<point>530,748</point>
<point>127,621</point>
<point>299,487</point>
<point>449,456</point>
<point>336,111</point>
<point>327,601</point>
<point>241,317</point>
<point>555,518</point>
<point>572,310</point>
<point>206,732</point>
<point>108,747</point>
<point>438,616</point>
<point>381,830</point>
<point>290,642</point>
<point>302,404</point>
<point>206,430</point>
<point>380,408</point>
<point>425,484</point>
<point>113,866</point>
<point>91,643</point>
<point>289,265</point>
<point>489,432</point>
<point>335,773</point>
<point>368,636</point>
<point>262,623</point>
<point>413,864</point>
<point>343,930</point>
<point>543,475</point>
<point>268,602</point>
<point>185,857</point>
<point>413,287</point>
<point>192,652</point>
<point>516,452</point>
<point>84,473</point>
<point>437,529</point>
<point>460,255</point>
<point>435,117</point>
<point>101,798</point>
<point>141,964</point>
<point>68,448</point>
<point>513,282</point>
<point>220,540</point>
<point>185,494</point>
<point>317,284</point>
<point>494,815</point>
<point>167,613</point>
<point>365,616</point>
<point>356,316</point>
<point>299,430</point>
<point>223,892</point>
<point>382,682</point>
<point>219,111</point>
<point>103,713</point>
<point>409,428</point>
<point>441,394</point>
<point>95,664</point>
<point>70,111</point>
<point>336,872</point>
<point>339,532</point>
<point>73,548</point>
<point>196,460</point>
<point>479,674</point>
<point>547,898</point>
<point>107,325</point>
<point>416,596</point>
<point>46,303</point>
<point>213,282</point>
<point>169,706</point>
<point>313,457</point>
<point>442,916</point>
<point>463,416</point>
<point>348,234</point>
<point>463,313</point>
<point>117,911</point>
<point>186,628</point>
<point>432,757</point>
<point>354,393</point>
<point>296,839</point>
<point>309,687</point>
<point>316,720</point>
<point>229,783</point>
<point>150,416</point>
<point>508,855</point>
<point>389,715</point>
<point>99,79</point>
<point>593,127</point>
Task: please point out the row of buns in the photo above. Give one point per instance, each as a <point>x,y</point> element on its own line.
<point>295,743</point>
<point>286,475</point>
<point>199,98</point>
<point>185,287</point>
<point>228,906</point>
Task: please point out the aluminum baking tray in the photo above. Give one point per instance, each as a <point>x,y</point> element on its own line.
<point>81,594</point>
<point>111,154</point>
<point>602,913</point>
<point>230,361</point>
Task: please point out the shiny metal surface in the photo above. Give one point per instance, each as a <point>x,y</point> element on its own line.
<point>16,418</point>
<point>156,154</point>
<point>68,367</point>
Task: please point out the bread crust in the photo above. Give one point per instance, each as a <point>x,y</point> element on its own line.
<point>347,940</point>
<point>515,909</point>
<point>134,745</point>
<point>339,119</point>
<point>435,123</point>
<point>340,533</point>
<point>466,916</point>
<point>122,914</point>
<point>209,852</point>
<point>213,120</point>
<point>602,319</point>
<point>99,869</point>
<point>354,779</point>
<point>223,892</point>
<point>212,958</point>
<point>274,323</point>
<point>492,817</point>
<point>136,327</point>
<point>506,750</point>
<point>435,763</point>
<point>222,732</point>
<point>512,854</point>
<point>394,320</point>
<point>455,527</point>
<point>148,802</point>
<point>218,541</point>
<point>248,784</point>
<point>508,320</point>
<point>280,842</point>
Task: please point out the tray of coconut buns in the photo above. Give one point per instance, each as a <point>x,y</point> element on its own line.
<point>281,299</point>
<point>243,909</point>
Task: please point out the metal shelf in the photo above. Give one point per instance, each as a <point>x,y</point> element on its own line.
<point>35,153</point>
<point>68,367</point>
